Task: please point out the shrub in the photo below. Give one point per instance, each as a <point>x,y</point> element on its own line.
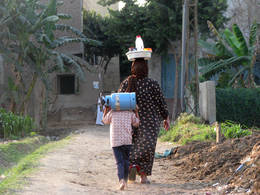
<point>188,128</point>
<point>232,130</point>
<point>239,105</point>
<point>14,126</point>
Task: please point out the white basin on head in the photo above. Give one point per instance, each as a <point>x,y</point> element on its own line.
<point>132,55</point>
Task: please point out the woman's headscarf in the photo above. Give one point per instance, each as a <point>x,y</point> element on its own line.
<point>139,70</point>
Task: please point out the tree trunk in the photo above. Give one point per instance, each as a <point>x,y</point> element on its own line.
<point>23,107</point>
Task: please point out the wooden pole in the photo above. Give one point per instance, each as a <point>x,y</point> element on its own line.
<point>218,133</point>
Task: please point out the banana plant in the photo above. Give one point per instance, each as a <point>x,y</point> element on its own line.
<point>29,43</point>
<point>230,52</point>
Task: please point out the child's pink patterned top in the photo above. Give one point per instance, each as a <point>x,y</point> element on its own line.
<point>120,126</point>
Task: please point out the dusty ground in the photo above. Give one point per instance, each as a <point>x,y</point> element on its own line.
<point>219,164</point>
<point>87,166</point>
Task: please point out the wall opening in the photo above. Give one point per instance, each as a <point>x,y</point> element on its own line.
<point>66,84</point>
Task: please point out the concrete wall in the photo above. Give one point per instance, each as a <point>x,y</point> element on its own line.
<point>93,5</point>
<point>112,76</point>
<point>155,66</point>
<point>80,106</point>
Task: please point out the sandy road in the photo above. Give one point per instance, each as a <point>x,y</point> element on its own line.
<point>86,166</point>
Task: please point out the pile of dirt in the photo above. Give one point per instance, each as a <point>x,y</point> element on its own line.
<point>233,164</point>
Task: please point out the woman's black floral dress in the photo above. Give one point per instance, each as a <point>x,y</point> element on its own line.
<point>152,109</point>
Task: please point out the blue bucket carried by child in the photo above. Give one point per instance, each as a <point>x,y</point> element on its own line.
<point>120,101</point>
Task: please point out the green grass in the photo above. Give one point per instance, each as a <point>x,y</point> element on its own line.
<point>189,128</point>
<point>13,152</point>
<point>233,130</point>
<point>25,163</point>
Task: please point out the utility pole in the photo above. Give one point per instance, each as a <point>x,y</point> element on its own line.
<point>185,18</point>
<point>196,56</point>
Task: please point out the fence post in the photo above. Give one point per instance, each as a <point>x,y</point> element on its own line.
<point>218,133</point>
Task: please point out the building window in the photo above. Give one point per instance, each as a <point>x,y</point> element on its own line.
<point>67,84</point>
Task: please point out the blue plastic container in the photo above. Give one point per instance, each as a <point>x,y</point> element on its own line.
<point>121,101</point>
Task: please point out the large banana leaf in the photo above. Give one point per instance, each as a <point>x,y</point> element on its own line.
<point>232,42</point>
<point>232,51</point>
<point>216,67</point>
<point>240,39</point>
<point>74,65</point>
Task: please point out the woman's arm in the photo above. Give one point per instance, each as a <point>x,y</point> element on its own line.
<point>160,101</point>
<point>166,124</point>
<point>136,118</point>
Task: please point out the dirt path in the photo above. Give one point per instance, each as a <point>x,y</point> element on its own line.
<point>87,166</point>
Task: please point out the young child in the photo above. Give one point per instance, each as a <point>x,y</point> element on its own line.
<point>121,139</point>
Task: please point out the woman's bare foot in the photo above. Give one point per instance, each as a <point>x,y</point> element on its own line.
<point>144,179</point>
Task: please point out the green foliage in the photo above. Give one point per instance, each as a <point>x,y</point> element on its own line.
<point>97,27</point>
<point>230,53</point>
<point>239,105</point>
<point>188,128</point>
<point>159,21</point>
<point>233,130</point>
<point>14,126</point>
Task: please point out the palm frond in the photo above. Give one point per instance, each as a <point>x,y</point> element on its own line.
<point>44,38</point>
<point>221,65</point>
<point>65,27</point>
<point>236,75</point>
<point>48,19</point>
<point>65,40</point>
<point>59,64</point>
<point>64,16</point>
<point>83,63</point>
<point>202,62</point>
<point>74,66</point>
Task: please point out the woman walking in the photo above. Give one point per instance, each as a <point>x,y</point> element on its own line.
<point>152,110</point>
